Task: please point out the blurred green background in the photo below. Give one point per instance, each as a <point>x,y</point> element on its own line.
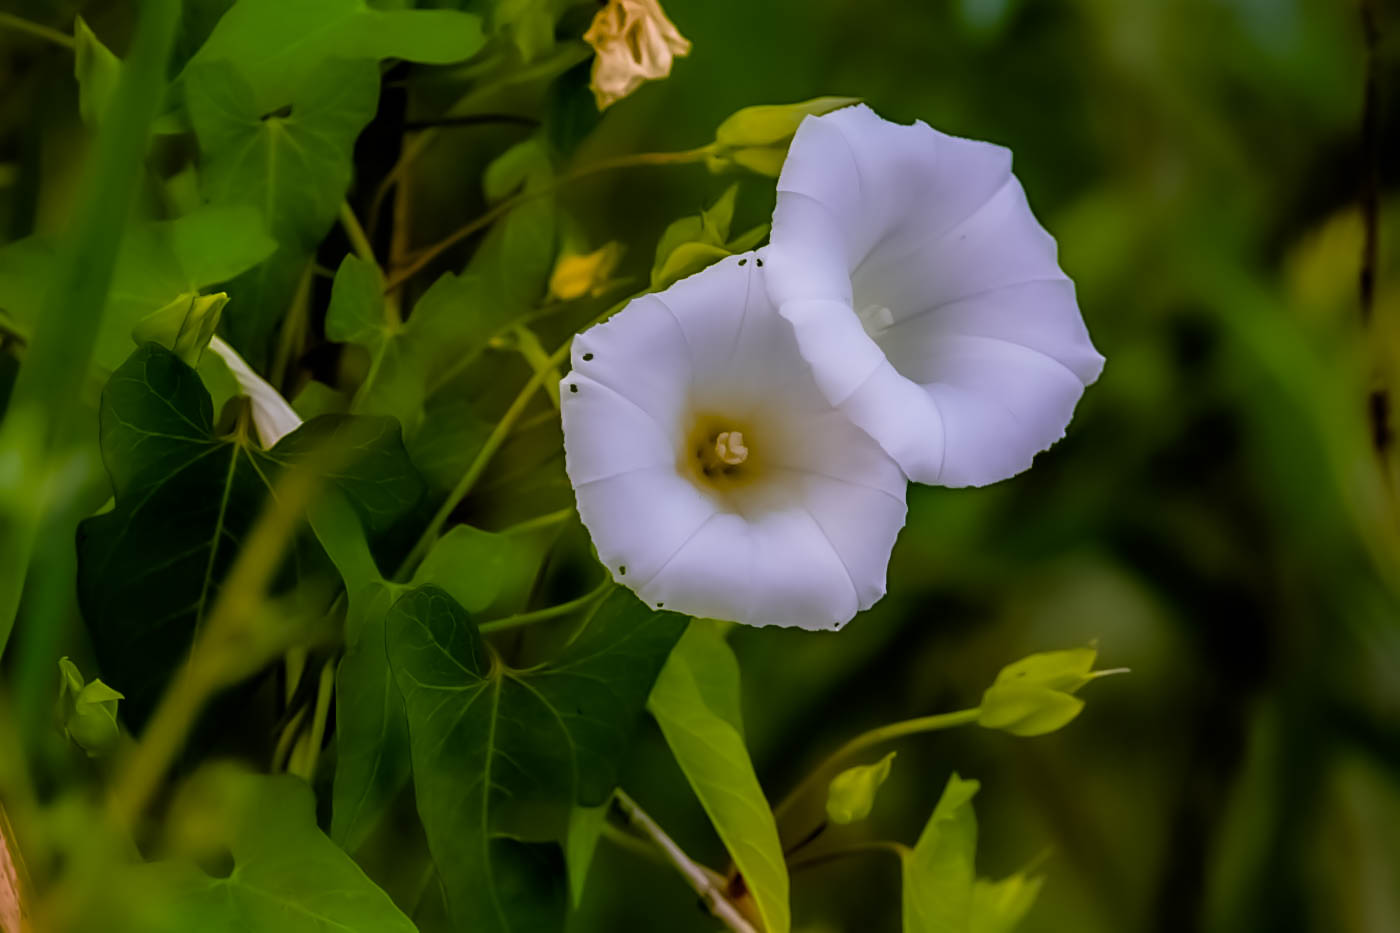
<point>1219,517</point>
<point>1215,517</point>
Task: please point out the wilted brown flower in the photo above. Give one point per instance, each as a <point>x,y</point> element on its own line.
<point>635,42</point>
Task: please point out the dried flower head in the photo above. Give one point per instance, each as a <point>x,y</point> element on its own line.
<point>635,43</point>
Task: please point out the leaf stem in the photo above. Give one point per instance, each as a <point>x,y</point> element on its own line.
<point>47,33</point>
<point>812,860</point>
<point>539,521</point>
<point>478,465</point>
<point>356,235</point>
<point>542,615</point>
<point>530,348</point>
<point>875,737</point>
<point>305,768</point>
<point>696,875</point>
<point>493,443</point>
<point>426,256</point>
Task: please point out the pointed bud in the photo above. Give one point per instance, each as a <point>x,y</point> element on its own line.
<point>1035,695</point>
<point>852,792</point>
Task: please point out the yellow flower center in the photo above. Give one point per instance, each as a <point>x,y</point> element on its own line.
<point>716,454</point>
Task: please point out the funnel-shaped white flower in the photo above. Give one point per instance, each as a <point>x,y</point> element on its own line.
<point>713,476</point>
<point>273,418</point>
<point>926,296</point>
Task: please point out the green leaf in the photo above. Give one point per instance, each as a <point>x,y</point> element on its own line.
<point>1035,695</point>
<point>483,571</point>
<point>279,46</point>
<point>157,263</point>
<point>287,876</point>
<point>585,827</point>
<point>372,763</point>
<point>696,704</point>
<point>692,243</point>
<point>450,325</point>
<point>97,71</point>
<point>938,871</point>
<point>1000,906</point>
<point>264,297</point>
<point>484,734</point>
<point>480,570</point>
<point>150,568</point>
<point>293,165</point>
<point>852,792</point>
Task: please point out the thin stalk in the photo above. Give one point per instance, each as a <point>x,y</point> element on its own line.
<point>874,737</point>
<point>522,619</point>
<point>478,466</point>
<point>355,233</point>
<point>858,848</point>
<point>530,348</point>
<point>696,875</point>
<point>488,450</point>
<point>539,521</point>
<point>47,33</point>
<point>306,767</point>
<point>426,256</point>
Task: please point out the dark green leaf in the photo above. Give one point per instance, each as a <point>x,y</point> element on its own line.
<point>483,733</point>
<point>150,569</point>
<point>293,165</point>
<point>157,263</point>
<point>279,46</point>
<point>286,876</point>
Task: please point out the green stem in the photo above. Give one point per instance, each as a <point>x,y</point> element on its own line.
<point>857,848</point>
<point>539,521</point>
<point>356,235</point>
<point>530,348</point>
<point>488,450</point>
<point>57,361</point>
<point>542,615</point>
<point>509,204</point>
<point>700,879</point>
<point>47,33</point>
<point>305,768</point>
<point>875,737</point>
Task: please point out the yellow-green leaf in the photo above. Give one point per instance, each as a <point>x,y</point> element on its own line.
<point>852,792</point>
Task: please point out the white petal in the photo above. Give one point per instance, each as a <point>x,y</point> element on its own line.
<point>1001,404</point>
<point>955,340</point>
<point>642,356</point>
<point>806,540</point>
<point>772,569</point>
<point>609,433</point>
<point>273,418</point>
<point>860,524</point>
<point>640,518</point>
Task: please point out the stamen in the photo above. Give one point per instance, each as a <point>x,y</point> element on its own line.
<point>876,319</point>
<point>730,449</point>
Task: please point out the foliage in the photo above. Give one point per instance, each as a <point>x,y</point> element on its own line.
<point>400,212</point>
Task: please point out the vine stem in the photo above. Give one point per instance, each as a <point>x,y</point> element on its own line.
<point>10,21</point>
<point>696,875</point>
<point>494,440</point>
<point>541,615</point>
<point>427,255</point>
<point>875,737</point>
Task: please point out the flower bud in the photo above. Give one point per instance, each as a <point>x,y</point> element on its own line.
<point>185,326</point>
<point>852,792</point>
<point>757,138</point>
<point>89,711</point>
<point>1036,694</point>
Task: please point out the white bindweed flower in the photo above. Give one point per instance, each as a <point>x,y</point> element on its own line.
<point>926,296</point>
<point>714,478</point>
<point>273,418</point>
